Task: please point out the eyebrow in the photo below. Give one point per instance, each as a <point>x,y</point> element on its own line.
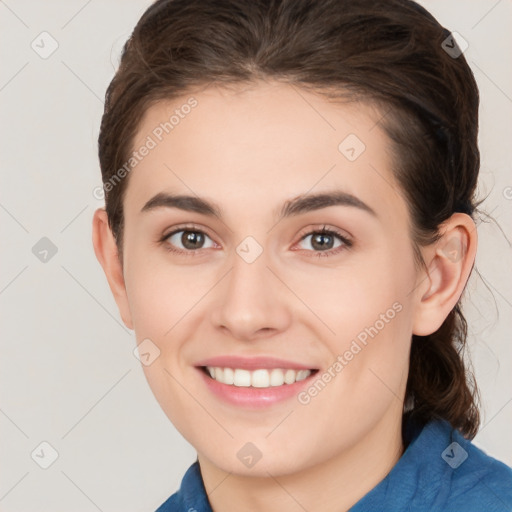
<point>297,206</point>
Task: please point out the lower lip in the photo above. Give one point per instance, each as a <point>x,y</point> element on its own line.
<point>254,397</point>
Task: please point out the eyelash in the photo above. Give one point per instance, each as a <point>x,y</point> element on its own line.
<point>347,244</point>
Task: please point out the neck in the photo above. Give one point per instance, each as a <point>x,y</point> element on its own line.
<point>335,485</point>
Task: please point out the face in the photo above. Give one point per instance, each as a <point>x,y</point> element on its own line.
<point>252,283</point>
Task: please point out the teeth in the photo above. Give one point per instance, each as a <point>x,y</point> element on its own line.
<point>289,376</point>
<point>242,378</point>
<point>228,376</point>
<point>303,374</point>
<point>276,377</point>
<point>260,379</point>
<point>257,378</point>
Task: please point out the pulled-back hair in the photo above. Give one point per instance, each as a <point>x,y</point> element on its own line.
<point>391,53</point>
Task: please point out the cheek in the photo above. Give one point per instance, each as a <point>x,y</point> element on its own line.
<point>366,294</point>
<point>165,303</point>
<point>159,293</point>
<point>375,331</point>
<point>370,310</point>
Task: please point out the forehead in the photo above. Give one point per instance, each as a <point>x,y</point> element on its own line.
<point>261,144</point>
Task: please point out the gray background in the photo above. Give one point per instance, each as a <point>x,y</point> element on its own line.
<point>68,373</point>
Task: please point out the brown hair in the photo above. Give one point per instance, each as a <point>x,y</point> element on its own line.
<point>390,52</point>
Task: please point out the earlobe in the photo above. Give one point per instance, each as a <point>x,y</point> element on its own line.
<point>450,261</point>
<point>107,254</point>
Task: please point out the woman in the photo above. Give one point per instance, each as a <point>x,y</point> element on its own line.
<point>289,230</point>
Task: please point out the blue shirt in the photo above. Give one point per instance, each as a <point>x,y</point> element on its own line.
<point>440,470</point>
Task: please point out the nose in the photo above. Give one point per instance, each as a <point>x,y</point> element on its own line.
<point>251,302</point>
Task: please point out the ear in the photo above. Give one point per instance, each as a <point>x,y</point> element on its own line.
<point>449,262</point>
<point>107,254</point>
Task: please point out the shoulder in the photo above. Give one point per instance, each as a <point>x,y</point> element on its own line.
<point>191,496</point>
<point>441,470</point>
<point>477,480</point>
<point>171,504</point>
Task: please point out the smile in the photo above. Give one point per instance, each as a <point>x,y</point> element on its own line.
<point>259,378</point>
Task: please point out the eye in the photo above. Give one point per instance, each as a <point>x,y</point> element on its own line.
<point>190,239</point>
<point>193,239</point>
<point>323,240</point>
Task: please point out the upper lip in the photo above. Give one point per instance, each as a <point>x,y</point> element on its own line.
<point>253,363</point>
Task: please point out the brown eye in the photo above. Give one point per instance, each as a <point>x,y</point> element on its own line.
<point>322,241</point>
<point>187,240</point>
<point>192,239</point>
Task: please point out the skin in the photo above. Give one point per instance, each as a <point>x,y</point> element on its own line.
<point>250,150</point>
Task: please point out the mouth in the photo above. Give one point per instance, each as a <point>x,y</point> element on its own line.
<point>254,389</point>
<point>261,378</point>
